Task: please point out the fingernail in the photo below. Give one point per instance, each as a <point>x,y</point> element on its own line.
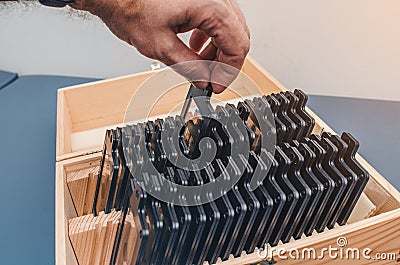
<point>222,76</point>
<point>217,88</point>
<point>200,84</point>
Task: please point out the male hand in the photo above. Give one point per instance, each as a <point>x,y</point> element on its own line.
<point>152,27</point>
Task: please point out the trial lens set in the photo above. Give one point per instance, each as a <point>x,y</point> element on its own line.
<point>292,186</point>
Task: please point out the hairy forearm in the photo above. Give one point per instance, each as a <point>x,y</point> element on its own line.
<point>16,1</point>
<point>8,5</point>
<point>93,6</point>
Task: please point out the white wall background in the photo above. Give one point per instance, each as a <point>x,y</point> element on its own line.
<point>335,47</point>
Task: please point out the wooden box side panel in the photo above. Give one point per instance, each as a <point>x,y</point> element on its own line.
<point>65,209</point>
<point>261,77</point>
<point>84,106</point>
<point>64,125</point>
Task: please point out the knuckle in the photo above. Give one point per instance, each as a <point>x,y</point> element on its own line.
<point>147,51</point>
<point>164,50</point>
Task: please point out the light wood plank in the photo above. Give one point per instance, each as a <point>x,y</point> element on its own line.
<point>64,212</point>
<point>64,125</point>
<point>87,242</point>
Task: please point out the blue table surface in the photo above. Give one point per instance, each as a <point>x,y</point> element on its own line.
<point>27,158</point>
<point>27,161</point>
<point>7,78</point>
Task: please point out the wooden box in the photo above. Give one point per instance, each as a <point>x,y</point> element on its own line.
<point>83,116</point>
